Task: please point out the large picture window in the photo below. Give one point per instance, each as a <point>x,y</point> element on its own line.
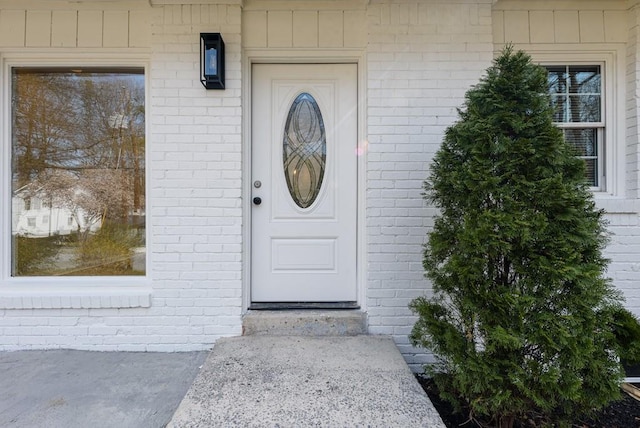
<point>77,171</point>
<point>576,95</point>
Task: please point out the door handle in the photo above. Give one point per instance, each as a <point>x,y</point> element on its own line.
<point>257,200</point>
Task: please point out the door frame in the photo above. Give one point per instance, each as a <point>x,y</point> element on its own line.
<point>254,56</point>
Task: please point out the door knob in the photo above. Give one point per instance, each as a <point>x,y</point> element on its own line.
<point>257,200</point>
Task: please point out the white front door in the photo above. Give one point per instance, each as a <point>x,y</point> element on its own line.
<point>304,183</point>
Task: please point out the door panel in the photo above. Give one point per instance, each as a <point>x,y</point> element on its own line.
<point>304,170</point>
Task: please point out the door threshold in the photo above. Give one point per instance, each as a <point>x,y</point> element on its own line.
<point>283,306</point>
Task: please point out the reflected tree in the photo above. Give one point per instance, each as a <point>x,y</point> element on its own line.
<point>78,142</point>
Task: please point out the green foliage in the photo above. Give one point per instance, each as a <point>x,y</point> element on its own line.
<point>521,315</point>
<point>109,251</point>
<point>626,329</point>
<point>33,254</point>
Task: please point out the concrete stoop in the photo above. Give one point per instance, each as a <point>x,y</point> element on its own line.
<point>305,381</point>
<point>305,323</point>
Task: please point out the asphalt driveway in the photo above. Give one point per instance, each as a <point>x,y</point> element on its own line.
<point>64,388</point>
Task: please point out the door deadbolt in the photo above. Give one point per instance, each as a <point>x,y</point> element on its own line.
<point>257,184</point>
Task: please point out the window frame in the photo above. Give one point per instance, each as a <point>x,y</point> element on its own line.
<point>66,291</point>
<point>611,61</point>
<point>599,126</point>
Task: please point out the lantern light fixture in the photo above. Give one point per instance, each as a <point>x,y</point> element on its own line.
<point>212,60</point>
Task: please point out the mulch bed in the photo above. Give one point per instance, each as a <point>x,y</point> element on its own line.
<point>624,413</point>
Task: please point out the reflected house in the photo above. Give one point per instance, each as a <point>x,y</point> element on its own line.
<point>36,215</point>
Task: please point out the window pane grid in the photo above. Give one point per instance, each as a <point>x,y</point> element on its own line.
<point>576,98</point>
<point>585,143</point>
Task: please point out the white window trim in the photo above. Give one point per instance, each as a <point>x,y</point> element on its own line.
<point>611,59</point>
<point>601,126</point>
<point>64,292</point>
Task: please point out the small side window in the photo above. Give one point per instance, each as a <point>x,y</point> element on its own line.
<point>577,98</point>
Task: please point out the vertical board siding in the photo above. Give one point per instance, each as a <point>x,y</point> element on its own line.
<point>89,28</point>
<point>12,28</point>
<point>305,29</point>
<point>355,34</point>
<point>139,25</point>
<point>38,28</point>
<point>64,27</point>
<point>115,32</point>
<point>516,26</point>
<point>331,29</point>
<point>591,26</point>
<point>326,29</point>
<point>254,29</point>
<point>567,26</point>
<point>497,19</point>
<point>523,25</point>
<point>614,32</point>
<point>75,28</point>
<point>541,26</point>
<point>279,29</point>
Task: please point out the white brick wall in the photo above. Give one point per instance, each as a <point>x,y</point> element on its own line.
<point>422,58</point>
<point>196,184</point>
<point>632,103</point>
<point>194,170</point>
<point>624,253</point>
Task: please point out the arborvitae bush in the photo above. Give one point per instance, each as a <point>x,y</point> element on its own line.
<point>520,319</point>
<point>626,329</point>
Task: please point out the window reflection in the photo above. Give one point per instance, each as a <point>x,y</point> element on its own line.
<point>78,150</point>
<point>576,98</point>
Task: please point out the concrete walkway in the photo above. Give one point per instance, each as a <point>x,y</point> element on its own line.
<point>302,381</point>
<point>249,381</point>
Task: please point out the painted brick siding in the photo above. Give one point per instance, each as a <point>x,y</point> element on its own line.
<point>196,176</point>
<point>623,252</point>
<point>624,249</point>
<point>422,57</point>
<point>632,100</point>
<point>194,170</point>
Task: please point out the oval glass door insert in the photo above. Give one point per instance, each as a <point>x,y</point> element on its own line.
<point>304,151</point>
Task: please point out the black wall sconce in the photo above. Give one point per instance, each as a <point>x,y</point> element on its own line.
<point>212,60</point>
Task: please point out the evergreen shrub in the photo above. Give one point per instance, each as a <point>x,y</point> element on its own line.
<point>521,312</point>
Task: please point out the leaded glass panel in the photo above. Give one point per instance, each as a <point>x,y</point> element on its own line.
<point>304,150</point>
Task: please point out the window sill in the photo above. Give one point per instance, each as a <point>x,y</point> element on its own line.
<point>49,295</point>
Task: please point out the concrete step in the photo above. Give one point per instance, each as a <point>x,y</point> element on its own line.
<point>305,323</point>
<point>302,381</point>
